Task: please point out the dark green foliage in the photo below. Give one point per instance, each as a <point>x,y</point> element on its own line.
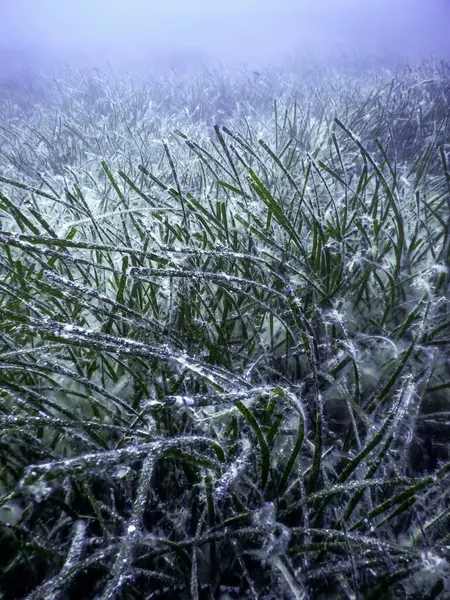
<point>224,353</point>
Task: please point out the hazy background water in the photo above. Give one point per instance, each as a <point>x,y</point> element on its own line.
<point>137,35</point>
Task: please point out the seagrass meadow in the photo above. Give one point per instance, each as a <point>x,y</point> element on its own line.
<point>225,335</point>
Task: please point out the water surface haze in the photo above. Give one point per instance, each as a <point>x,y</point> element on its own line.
<point>137,33</point>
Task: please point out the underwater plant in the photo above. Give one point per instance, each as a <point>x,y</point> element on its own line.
<point>224,352</point>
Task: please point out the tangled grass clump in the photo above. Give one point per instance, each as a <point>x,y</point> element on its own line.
<point>224,354</point>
